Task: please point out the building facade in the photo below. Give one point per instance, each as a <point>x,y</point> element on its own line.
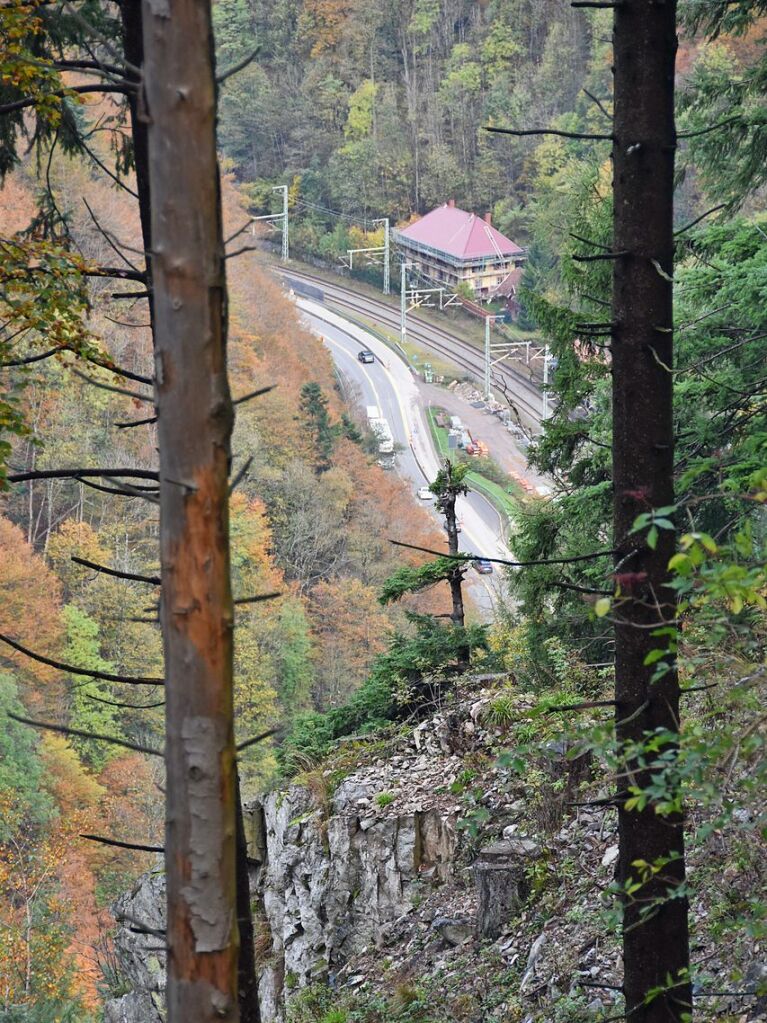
<point>450,247</point>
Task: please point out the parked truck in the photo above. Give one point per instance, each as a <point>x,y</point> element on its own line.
<point>382,431</point>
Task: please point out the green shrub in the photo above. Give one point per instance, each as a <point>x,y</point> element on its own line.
<point>402,679</point>
<point>501,711</point>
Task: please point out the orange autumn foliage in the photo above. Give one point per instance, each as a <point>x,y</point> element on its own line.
<point>79,798</point>
<point>30,600</point>
<point>351,629</point>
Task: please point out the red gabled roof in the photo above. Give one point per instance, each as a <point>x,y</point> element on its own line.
<point>510,284</point>
<point>460,234</point>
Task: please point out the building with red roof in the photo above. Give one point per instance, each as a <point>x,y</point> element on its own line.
<point>451,246</point>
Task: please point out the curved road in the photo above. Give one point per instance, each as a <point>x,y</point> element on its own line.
<point>524,392</point>
<point>388,383</point>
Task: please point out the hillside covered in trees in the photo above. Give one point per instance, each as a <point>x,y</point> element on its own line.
<point>319,541</point>
<point>200,602</point>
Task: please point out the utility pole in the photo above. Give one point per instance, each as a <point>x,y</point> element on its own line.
<point>546,361</point>
<point>403,302</point>
<point>487,357</point>
<point>284,217</point>
<point>386,271</point>
<point>489,353</point>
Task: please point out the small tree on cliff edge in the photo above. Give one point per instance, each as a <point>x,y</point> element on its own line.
<point>447,487</point>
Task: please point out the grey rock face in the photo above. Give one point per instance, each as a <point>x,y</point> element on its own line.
<point>325,887</point>
<point>455,930</point>
<point>135,1007</point>
<point>140,955</point>
<point>332,887</point>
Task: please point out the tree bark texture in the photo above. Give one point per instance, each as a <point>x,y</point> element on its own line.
<point>131,16</point>
<point>194,429</point>
<point>655,924</point>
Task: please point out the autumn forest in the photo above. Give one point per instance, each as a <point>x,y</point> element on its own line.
<point>215,591</point>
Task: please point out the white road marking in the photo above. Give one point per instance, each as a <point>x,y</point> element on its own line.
<point>407,426</point>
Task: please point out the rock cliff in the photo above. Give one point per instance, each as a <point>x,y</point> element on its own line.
<point>421,864</point>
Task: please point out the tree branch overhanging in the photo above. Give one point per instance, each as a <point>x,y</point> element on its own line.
<point>522,132</point>
<point>123,88</point>
<point>103,840</point>
<point>505,561</point>
<point>151,580</point>
<point>71,669</point>
<point>49,726</point>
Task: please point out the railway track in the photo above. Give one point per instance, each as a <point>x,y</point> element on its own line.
<point>520,390</point>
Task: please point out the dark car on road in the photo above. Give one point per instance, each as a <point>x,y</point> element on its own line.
<point>366,356</point>
<point>483,566</point>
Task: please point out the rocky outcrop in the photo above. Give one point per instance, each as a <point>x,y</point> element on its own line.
<point>431,860</point>
<point>332,886</point>
<point>139,949</point>
<point>331,879</point>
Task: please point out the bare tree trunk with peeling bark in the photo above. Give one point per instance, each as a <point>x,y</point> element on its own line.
<point>195,424</point>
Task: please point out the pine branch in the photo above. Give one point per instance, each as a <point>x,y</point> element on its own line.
<point>257,738</point>
<point>600,105</point>
<point>241,474</point>
<point>122,705</point>
<point>239,66</point>
<point>582,589</point>
<point>549,131</point>
<point>580,258</point>
<point>72,670</point>
<point>86,65</point>
<point>705,131</point>
<point>136,422</point>
<point>117,272</point>
<point>589,241</point>
<point>111,387</point>
<point>32,358</point>
<point>128,491</point>
<point>102,166</point>
<point>123,845</point>
<point>258,598</point>
<point>53,474</point>
<point>110,241</point>
<point>137,927</point>
<point>48,726</point>
<point>120,491</point>
<point>254,394</point>
<point>503,561</point>
<point>152,580</point>
<point>708,213</point>
<point>123,88</point>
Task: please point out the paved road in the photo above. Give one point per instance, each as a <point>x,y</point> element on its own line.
<point>388,383</point>
<point>512,377</point>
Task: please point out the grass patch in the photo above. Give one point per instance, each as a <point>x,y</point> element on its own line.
<point>504,498</point>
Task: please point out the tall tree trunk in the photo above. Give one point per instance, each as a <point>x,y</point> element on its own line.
<point>456,577</point>
<point>195,423</point>
<point>133,44</point>
<point>131,17</point>
<point>655,928</point>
